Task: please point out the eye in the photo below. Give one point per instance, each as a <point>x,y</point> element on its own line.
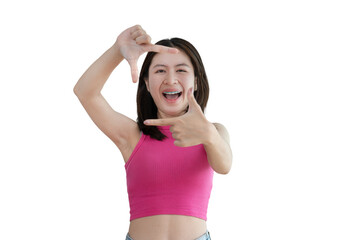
<point>160,71</point>
<point>181,70</point>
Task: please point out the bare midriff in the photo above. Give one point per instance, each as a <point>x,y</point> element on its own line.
<point>165,227</point>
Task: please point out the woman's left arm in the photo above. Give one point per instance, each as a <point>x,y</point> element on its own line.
<point>193,128</point>
<point>218,149</point>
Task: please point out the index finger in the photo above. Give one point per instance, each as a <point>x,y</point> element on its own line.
<point>159,122</point>
<point>162,49</point>
<point>134,70</point>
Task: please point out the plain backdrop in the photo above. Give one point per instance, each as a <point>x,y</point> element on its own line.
<point>284,80</point>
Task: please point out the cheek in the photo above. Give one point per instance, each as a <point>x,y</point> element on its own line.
<point>153,84</point>
<point>188,81</point>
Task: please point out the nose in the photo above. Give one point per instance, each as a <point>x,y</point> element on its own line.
<point>170,78</point>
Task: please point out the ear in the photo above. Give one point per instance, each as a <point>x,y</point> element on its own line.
<point>195,84</point>
<point>147,84</point>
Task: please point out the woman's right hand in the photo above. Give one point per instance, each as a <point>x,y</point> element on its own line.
<point>133,42</point>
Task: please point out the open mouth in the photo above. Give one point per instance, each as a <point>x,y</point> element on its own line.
<point>172,95</point>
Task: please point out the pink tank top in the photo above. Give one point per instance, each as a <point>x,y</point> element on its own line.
<point>166,179</point>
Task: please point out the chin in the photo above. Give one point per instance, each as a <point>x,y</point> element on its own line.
<point>173,112</point>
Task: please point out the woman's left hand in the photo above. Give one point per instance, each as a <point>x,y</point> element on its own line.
<point>190,129</point>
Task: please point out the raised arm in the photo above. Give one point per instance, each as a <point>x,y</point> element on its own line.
<point>129,45</point>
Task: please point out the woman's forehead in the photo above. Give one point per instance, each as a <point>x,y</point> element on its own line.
<point>171,60</point>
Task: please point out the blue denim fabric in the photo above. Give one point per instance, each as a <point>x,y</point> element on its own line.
<point>206,236</point>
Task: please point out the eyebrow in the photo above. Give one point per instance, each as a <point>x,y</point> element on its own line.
<point>178,65</point>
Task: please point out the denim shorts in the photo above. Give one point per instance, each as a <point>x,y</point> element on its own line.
<point>205,236</point>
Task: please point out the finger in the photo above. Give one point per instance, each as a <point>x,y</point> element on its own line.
<point>159,122</point>
<point>134,70</point>
<point>180,143</point>
<point>174,135</point>
<point>135,28</point>
<point>161,49</point>
<point>191,99</point>
<point>177,143</point>
<point>143,39</point>
<point>137,33</point>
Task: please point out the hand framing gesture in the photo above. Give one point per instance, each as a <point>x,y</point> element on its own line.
<point>190,129</point>
<point>133,42</point>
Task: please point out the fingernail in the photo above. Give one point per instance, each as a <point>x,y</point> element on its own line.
<point>175,50</point>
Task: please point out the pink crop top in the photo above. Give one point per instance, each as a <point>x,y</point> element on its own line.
<point>166,179</point>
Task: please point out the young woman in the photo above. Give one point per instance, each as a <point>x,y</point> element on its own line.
<point>172,150</point>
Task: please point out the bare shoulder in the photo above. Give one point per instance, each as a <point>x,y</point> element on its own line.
<point>222,131</point>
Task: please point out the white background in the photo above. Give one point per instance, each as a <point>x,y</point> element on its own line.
<point>284,79</point>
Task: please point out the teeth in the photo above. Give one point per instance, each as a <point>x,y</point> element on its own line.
<point>172,92</point>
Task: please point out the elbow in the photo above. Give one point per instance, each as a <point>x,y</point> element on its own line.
<point>225,166</point>
<point>80,94</point>
<point>76,90</point>
<point>84,93</point>
<point>224,170</point>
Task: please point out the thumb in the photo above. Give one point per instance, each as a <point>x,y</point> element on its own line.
<point>192,101</point>
<point>134,70</point>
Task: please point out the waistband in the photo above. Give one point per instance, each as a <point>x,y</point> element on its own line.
<point>205,236</point>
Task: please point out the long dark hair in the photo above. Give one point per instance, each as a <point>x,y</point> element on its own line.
<point>146,107</point>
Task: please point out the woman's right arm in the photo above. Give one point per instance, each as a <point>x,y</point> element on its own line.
<point>119,128</point>
<point>129,45</point>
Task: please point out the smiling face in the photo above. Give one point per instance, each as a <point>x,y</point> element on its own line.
<point>170,78</point>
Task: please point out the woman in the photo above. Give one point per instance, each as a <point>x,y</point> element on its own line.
<point>171,152</point>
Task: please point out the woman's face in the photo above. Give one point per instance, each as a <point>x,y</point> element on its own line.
<point>170,78</point>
